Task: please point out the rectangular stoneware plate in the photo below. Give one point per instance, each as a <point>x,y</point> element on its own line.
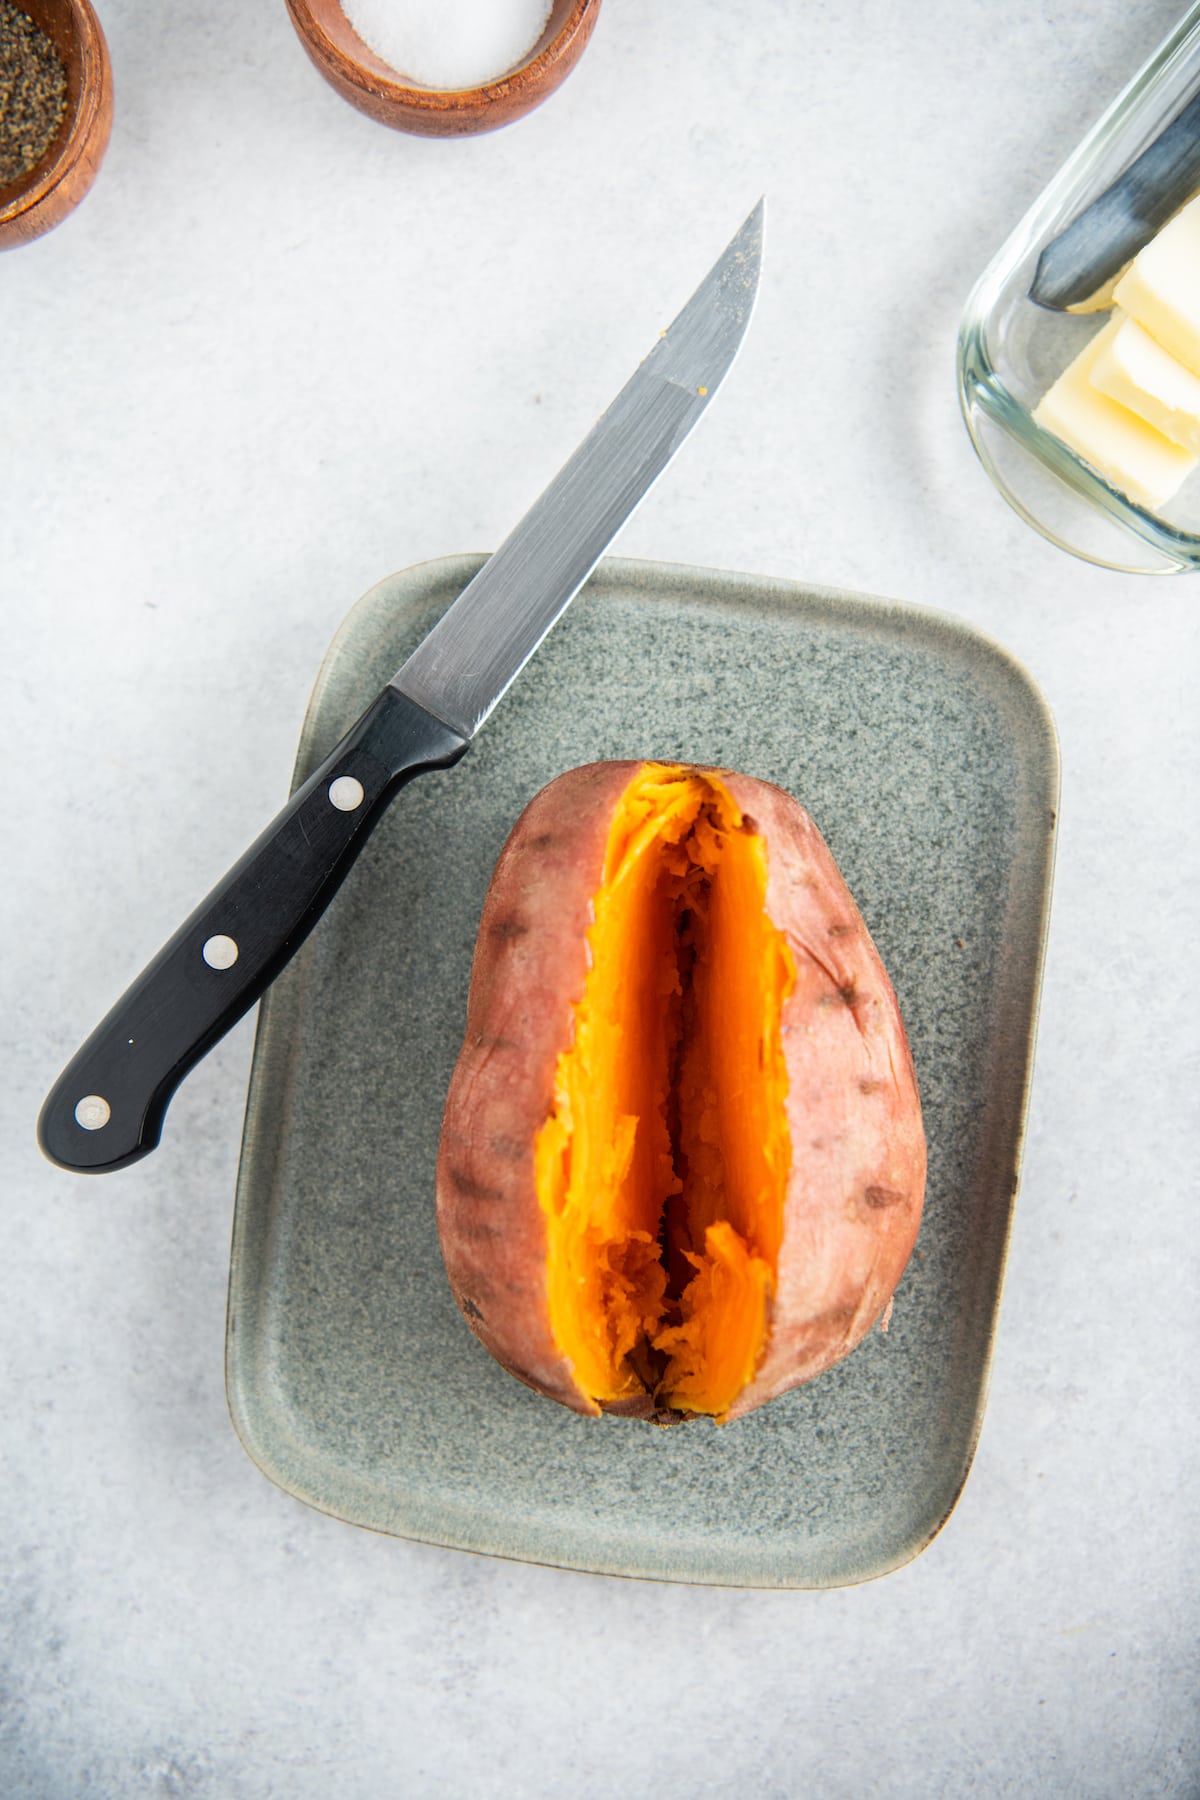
<point>929,761</point>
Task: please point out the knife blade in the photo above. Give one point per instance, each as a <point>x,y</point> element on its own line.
<point>1080,263</point>
<point>106,1109</point>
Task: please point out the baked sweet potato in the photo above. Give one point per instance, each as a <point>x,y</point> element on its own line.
<point>682,1161</point>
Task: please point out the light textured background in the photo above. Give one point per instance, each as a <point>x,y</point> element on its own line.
<point>279,352</point>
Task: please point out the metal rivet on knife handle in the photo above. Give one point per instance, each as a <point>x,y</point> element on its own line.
<point>346,793</point>
<point>220,952</point>
<point>93,1112</point>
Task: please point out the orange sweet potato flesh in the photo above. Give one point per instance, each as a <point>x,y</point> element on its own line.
<point>682,1161</point>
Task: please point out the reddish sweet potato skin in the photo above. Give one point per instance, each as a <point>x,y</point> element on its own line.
<point>529,971</point>
<point>855,1193</point>
<point>857,1184</point>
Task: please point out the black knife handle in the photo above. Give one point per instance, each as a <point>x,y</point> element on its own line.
<point>107,1107</point>
<point>1109,232</point>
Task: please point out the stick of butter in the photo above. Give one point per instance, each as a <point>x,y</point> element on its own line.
<point>1134,369</point>
<point>1161,287</point>
<point>1128,452</point>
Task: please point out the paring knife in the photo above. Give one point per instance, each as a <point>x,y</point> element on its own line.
<point>1080,263</point>
<point>107,1107</point>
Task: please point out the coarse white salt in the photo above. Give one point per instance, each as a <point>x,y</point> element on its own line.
<point>449,43</point>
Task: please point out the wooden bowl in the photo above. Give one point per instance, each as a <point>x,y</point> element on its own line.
<point>380,91</point>
<point>45,194</point>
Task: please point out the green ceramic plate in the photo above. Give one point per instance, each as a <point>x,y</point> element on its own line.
<point>929,761</point>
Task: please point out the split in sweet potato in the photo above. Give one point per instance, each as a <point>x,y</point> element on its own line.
<point>682,1161</point>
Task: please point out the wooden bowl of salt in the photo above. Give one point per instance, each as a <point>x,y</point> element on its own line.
<point>444,68</point>
<point>56,86</point>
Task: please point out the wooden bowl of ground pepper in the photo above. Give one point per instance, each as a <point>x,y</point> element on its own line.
<point>55,112</point>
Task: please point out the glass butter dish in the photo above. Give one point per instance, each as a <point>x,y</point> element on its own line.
<point>1137,167</point>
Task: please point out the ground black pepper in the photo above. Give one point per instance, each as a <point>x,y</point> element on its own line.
<point>33,93</point>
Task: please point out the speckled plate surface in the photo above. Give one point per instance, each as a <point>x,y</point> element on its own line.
<point>929,760</point>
